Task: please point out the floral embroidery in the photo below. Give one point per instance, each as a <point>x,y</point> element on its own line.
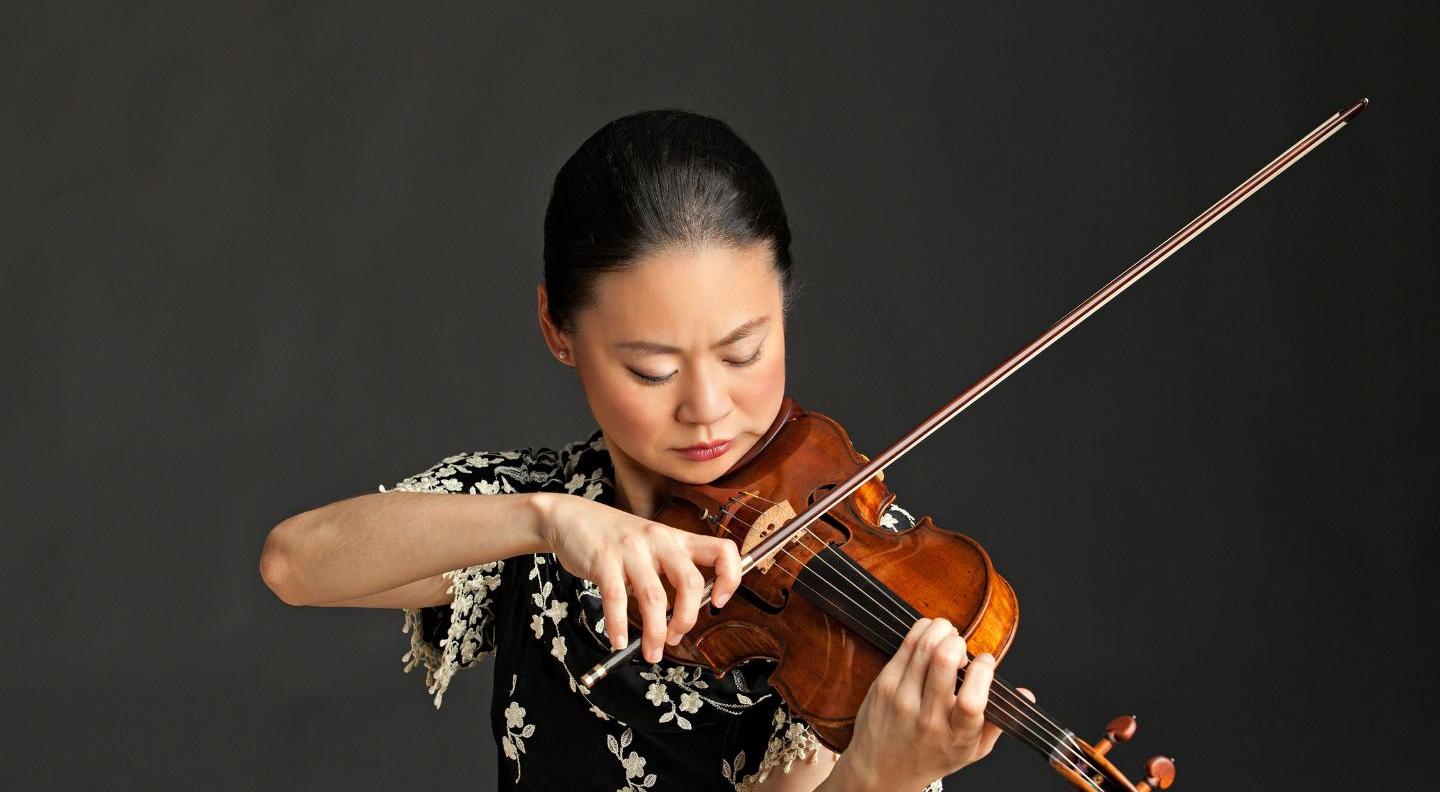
<point>690,681</point>
<point>516,730</point>
<point>634,764</point>
<point>555,611</point>
<point>893,517</point>
<point>790,742</point>
<point>732,772</point>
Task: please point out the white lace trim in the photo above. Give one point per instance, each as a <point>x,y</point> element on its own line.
<point>470,620</point>
<point>791,741</point>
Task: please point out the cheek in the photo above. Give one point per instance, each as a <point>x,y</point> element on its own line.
<point>758,393</point>
<point>626,411</point>
<point>768,384</point>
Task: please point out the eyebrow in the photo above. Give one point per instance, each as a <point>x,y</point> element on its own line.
<point>740,333</point>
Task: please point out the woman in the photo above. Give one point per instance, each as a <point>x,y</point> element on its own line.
<point>667,276</point>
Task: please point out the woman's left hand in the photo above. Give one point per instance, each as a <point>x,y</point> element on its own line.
<point>913,703</point>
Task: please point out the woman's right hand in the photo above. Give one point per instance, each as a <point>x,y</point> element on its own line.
<point>622,553</point>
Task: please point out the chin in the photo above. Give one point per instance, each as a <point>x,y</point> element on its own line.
<point>698,473</point>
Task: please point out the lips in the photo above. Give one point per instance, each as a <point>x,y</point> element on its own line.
<point>701,453</point>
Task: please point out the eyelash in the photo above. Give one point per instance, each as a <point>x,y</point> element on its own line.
<point>648,380</point>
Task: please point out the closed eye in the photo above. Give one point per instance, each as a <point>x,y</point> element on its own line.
<point>649,380</point>
<point>750,361</point>
<point>652,380</point>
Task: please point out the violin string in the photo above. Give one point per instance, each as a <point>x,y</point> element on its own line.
<point>907,611</point>
<point>1038,745</point>
<point>1059,734</point>
<point>1058,740</point>
<point>1059,746</point>
<point>905,608</point>
<point>1027,733</point>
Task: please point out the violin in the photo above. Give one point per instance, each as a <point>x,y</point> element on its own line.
<point>828,593</point>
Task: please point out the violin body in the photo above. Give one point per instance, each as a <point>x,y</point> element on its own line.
<point>795,610</point>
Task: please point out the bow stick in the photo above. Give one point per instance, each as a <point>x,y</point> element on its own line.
<point>999,374</point>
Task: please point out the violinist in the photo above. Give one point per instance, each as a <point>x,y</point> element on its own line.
<point>667,277</point>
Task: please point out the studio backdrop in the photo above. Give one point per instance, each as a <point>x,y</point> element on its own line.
<point>258,257</point>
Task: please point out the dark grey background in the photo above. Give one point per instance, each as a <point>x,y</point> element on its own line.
<point>255,257</point>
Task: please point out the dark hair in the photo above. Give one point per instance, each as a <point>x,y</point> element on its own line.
<point>648,182</point>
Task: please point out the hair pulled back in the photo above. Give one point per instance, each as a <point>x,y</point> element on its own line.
<point>650,182</point>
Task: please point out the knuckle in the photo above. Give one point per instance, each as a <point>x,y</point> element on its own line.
<point>885,688</point>
<point>950,653</point>
<point>652,594</point>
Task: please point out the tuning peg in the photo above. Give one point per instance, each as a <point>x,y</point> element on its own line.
<point>1117,731</point>
<point>1159,774</point>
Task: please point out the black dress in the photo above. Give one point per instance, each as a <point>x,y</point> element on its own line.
<point>647,727</point>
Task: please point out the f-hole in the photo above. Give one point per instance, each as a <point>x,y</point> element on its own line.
<point>751,598</point>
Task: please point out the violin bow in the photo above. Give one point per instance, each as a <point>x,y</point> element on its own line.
<point>1000,373</point>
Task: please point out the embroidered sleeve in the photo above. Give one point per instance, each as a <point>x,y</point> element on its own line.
<point>791,741</point>
<point>448,638</point>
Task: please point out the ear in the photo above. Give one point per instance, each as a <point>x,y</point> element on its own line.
<point>557,340</point>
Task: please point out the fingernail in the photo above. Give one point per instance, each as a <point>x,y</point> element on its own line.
<point>721,600</point>
<point>623,642</point>
<point>987,657</point>
<point>672,640</point>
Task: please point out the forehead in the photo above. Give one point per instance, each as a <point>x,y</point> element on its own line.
<point>685,297</point>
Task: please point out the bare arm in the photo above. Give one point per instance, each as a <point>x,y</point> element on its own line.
<point>388,549</point>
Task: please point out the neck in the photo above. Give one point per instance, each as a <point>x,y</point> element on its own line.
<point>638,489</point>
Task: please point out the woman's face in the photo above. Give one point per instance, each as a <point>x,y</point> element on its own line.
<point>683,349</point>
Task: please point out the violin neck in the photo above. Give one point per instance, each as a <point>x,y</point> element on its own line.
<point>1020,718</point>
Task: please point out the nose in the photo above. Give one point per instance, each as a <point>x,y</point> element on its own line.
<point>703,399</point>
